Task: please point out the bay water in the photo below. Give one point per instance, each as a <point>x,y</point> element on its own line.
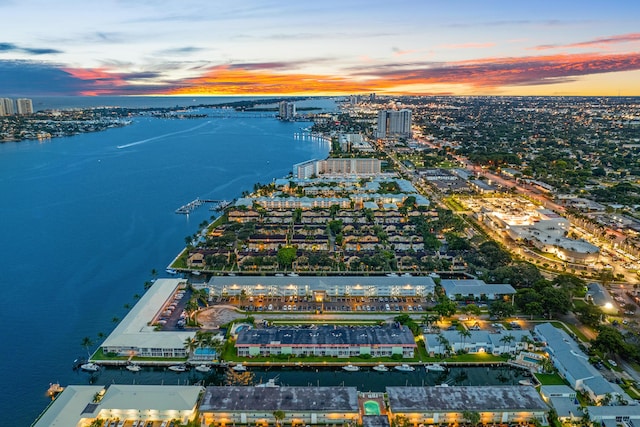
<point>83,223</point>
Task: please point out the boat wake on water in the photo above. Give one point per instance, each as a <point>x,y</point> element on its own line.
<point>132,144</point>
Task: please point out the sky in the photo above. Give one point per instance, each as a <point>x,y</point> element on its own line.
<point>267,47</point>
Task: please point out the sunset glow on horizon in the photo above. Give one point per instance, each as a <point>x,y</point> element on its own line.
<point>277,48</point>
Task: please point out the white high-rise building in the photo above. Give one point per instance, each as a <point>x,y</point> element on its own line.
<point>394,123</point>
<point>6,107</point>
<point>287,110</point>
<point>25,106</point>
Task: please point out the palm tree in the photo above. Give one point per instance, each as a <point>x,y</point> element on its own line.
<point>279,416</point>
<point>444,343</point>
<point>86,343</point>
<point>506,340</point>
<point>464,334</point>
<point>190,344</point>
<point>429,319</point>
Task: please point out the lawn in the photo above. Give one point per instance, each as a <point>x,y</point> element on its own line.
<point>550,379</point>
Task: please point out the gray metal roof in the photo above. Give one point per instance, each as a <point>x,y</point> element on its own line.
<point>328,335</point>
<point>465,398</point>
<point>258,399</point>
<point>475,287</point>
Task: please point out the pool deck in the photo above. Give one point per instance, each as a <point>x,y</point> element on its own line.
<point>375,397</point>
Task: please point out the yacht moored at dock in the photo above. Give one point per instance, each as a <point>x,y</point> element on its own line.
<point>404,368</point>
<point>203,368</point>
<point>90,367</point>
<point>380,368</point>
<point>436,367</point>
<point>239,368</point>
<point>178,368</point>
<point>133,367</point>
<point>351,368</point>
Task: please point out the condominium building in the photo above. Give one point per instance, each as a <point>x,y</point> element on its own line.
<point>24,106</point>
<point>333,166</point>
<point>286,110</point>
<point>336,341</point>
<point>6,107</point>
<point>394,123</point>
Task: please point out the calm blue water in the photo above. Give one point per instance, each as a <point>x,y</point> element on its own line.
<point>83,223</point>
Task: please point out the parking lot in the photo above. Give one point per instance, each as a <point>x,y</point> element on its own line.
<point>332,304</point>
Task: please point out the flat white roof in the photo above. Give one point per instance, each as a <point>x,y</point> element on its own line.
<point>155,397</point>
<point>135,331</point>
<point>75,403</point>
<point>68,407</point>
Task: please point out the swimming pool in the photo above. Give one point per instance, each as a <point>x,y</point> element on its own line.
<point>204,352</point>
<point>530,359</point>
<point>371,407</point>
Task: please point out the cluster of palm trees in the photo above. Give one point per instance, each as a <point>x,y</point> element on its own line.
<point>203,339</point>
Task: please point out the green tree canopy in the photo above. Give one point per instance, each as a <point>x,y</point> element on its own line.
<point>286,255</point>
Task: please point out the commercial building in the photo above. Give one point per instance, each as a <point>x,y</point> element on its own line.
<point>136,334</point>
<point>300,405</point>
<point>447,405</point>
<point>320,287</point>
<point>524,222</point>
<point>334,341</point>
<point>80,405</point>
<point>394,123</point>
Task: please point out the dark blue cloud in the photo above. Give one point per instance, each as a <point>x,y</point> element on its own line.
<point>31,78</point>
<point>12,47</point>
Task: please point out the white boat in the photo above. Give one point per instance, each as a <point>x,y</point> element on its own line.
<point>195,273</point>
<point>351,368</point>
<point>239,368</point>
<point>90,367</point>
<point>178,368</point>
<point>171,271</point>
<point>380,368</point>
<point>525,382</point>
<point>404,368</point>
<point>203,368</point>
<point>133,367</point>
<point>271,383</point>
<point>435,367</point>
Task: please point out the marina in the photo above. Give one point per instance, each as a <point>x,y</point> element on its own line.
<point>196,203</point>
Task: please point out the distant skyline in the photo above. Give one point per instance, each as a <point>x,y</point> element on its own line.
<point>254,47</point>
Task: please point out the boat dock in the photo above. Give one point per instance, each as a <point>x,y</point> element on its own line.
<point>189,207</point>
<point>195,204</point>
